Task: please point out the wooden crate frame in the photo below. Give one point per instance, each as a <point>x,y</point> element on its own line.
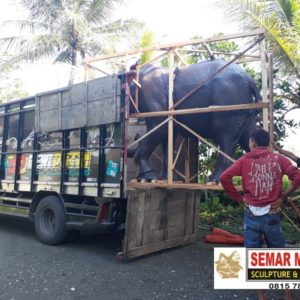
<point>172,49</point>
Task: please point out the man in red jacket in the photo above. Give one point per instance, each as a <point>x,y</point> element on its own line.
<point>262,172</point>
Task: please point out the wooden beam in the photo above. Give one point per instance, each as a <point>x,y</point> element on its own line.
<point>148,133</point>
<point>208,109</point>
<point>180,174</point>
<point>187,161</point>
<point>182,60</point>
<point>191,178</point>
<point>271,97</point>
<point>264,78</point>
<point>98,69</point>
<point>290,220</point>
<point>204,82</point>
<point>154,59</point>
<point>170,123</point>
<point>178,153</point>
<point>137,86</point>
<point>174,45</point>
<point>133,103</point>
<point>295,208</point>
<point>257,57</point>
<point>204,140</point>
<point>191,186</point>
<point>211,54</point>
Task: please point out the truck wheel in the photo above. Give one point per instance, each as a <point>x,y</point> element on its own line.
<point>50,221</point>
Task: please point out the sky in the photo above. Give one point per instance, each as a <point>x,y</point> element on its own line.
<point>169,20</point>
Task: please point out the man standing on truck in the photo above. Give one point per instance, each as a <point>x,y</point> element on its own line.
<point>262,172</point>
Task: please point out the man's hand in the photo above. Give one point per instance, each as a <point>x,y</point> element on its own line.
<point>275,207</point>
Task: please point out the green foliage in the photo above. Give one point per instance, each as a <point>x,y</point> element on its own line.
<point>200,53</point>
<point>11,87</point>
<point>216,210</point>
<point>285,182</point>
<point>67,31</point>
<point>147,40</point>
<point>281,21</point>
<point>207,161</point>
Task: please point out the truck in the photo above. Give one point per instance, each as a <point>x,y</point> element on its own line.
<point>65,167</point>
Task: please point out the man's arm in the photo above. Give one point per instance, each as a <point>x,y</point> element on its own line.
<point>294,175</point>
<point>226,180</point>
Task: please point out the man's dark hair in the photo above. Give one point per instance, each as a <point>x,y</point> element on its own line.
<point>260,137</point>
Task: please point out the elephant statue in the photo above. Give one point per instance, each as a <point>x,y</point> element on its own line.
<point>230,86</point>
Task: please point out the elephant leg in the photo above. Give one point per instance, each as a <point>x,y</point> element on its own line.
<point>142,154</point>
<point>222,162</point>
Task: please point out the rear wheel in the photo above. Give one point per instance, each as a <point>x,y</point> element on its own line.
<point>50,221</point>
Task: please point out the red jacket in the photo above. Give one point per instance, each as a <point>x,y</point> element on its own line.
<point>262,172</point>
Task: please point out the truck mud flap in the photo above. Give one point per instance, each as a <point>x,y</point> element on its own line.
<point>159,219</point>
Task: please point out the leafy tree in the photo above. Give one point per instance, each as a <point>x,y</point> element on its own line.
<point>281,21</point>
<point>199,52</point>
<point>11,87</point>
<point>67,31</point>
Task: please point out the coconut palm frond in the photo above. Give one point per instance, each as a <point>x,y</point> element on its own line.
<point>99,11</point>
<point>43,9</point>
<point>67,30</point>
<point>273,16</point>
<point>32,48</point>
<point>25,25</point>
<point>64,56</point>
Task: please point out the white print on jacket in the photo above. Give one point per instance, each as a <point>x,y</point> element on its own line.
<point>264,174</point>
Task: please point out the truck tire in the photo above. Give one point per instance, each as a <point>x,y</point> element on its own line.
<point>50,221</point>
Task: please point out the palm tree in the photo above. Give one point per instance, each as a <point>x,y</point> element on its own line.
<point>281,21</point>
<point>66,31</point>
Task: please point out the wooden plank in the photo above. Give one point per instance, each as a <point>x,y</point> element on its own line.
<point>159,225</point>
<point>181,59</point>
<point>208,109</point>
<point>136,92</point>
<point>187,161</point>
<point>155,58</point>
<point>255,57</point>
<point>211,54</point>
<point>148,133</point>
<point>191,186</point>
<point>97,69</point>
<point>136,218</point>
<point>196,208</point>
<point>174,45</point>
<point>202,83</point>
<point>157,246</point>
<point>178,153</point>
<point>204,140</point>
<point>271,97</point>
<point>170,123</point>
<point>264,79</point>
<point>189,209</point>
